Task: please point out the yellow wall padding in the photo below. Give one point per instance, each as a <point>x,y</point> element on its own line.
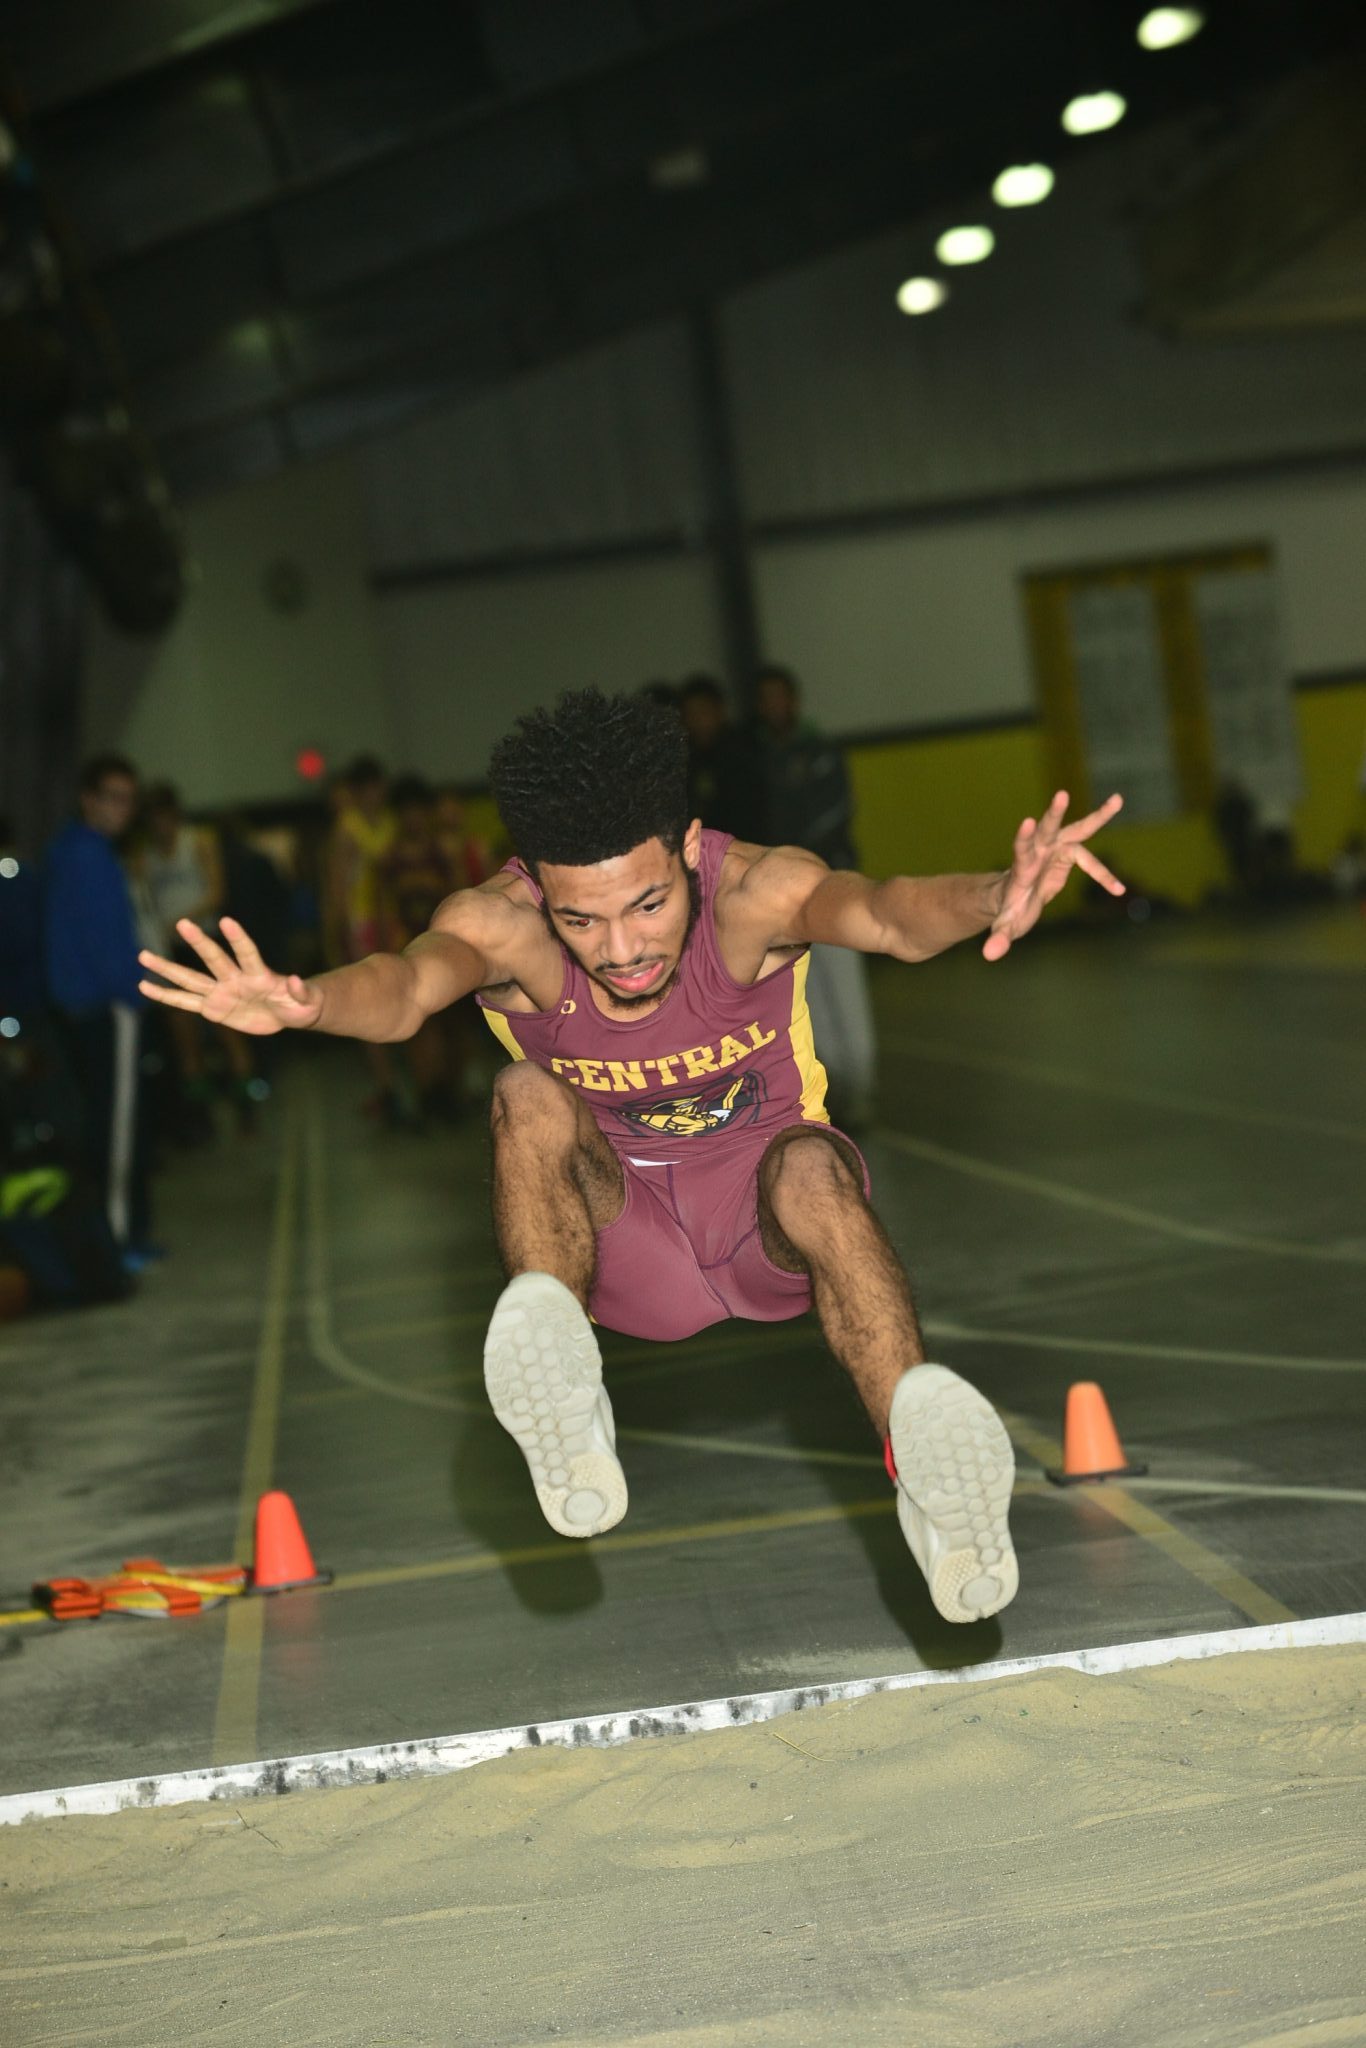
<point>941,804</point>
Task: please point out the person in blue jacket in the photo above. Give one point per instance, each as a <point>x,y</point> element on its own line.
<point>90,944</point>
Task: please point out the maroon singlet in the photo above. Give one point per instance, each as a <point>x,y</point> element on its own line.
<point>688,1096</point>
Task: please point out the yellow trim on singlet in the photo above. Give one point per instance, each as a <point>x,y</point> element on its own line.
<point>502,1030</point>
<point>813,1077</point>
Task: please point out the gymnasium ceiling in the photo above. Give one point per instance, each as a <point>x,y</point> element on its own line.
<point>289,224</point>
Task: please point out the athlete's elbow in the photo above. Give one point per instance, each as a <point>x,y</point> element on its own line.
<point>401,1028</point>
<point>903,946</point>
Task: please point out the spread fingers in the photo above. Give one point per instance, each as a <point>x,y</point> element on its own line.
<point>1082,828</point>
<point>172,998</point>
<point>248,959</point>
<point>1097,870</point>
<point>183,977</point>
<point>219,963</point>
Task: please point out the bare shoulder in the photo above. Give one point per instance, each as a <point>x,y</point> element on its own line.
<point>764,888</point>
<point>501,920</point>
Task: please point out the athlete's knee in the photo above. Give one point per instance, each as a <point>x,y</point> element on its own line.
<point>808,1169</point>
<point>527,1094</point>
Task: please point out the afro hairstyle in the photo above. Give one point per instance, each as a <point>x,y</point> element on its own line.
<point>591,779</point>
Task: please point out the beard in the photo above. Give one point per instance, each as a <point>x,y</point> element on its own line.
<point>656,994</point>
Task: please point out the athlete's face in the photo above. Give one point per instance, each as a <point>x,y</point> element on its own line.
<point>626,921</point>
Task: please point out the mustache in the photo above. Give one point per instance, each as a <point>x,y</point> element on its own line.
<point>652,995</point>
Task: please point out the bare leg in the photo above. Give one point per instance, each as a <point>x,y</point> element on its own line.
<point>953,1459</point>
<point>556,1182</point>
<point>815,1220</point>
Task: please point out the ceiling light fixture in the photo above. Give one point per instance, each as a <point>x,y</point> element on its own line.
<point>681,170</point>
<point>965,245</point>
<point>1165,27</point>
<point>922,295</point>
<point>1023,185</point>
<point>1090,112</point>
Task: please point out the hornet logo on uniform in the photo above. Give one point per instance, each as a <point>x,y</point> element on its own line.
<point>718,1108</point>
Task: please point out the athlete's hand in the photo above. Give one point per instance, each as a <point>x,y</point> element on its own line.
<point>1045,854</point>
<point>238,990</point>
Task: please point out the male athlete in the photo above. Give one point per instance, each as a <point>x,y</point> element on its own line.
<point>661,1153</point>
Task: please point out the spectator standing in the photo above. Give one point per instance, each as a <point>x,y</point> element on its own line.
<point>470,858</point>
<point>90,944</point>
<point>180,863</point>
<point>724,785</point>
<point>808,803</point>
<point>361,838</point>
<point>177,871</point>
<point>416,875</point>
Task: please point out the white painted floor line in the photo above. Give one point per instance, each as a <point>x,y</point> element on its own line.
<point>1121,1212</point>
<point>1120,1091</point>
<point>1121,1347</point>
<point>378,1763</point>
<point>317,1308</point>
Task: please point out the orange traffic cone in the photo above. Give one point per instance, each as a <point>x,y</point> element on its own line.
<point>1091,1448</point>
<point>283,1559</point>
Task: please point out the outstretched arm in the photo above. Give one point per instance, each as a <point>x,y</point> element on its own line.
<point>385,997</point>
<point>913,917</point>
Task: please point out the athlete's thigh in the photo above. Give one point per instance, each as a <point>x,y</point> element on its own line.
<point>546,1113</point>
<point>777,1245</point>
<point>600,1174</point>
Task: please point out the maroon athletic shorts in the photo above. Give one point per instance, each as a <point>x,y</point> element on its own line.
<point>686,1250</point>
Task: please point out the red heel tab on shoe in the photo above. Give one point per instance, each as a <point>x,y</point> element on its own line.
<point>888,1460</point>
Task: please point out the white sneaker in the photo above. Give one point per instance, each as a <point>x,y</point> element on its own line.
<point>955,1471</point>
<point>543,1372</point>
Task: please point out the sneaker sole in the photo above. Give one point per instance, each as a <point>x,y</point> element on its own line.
<point>956,1472</point>
<point>543,1372</point>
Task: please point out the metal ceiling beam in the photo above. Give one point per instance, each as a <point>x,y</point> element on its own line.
<point>658,275</point>
<point>459,255</point>
<point>825,167</point>
<point>218,106</point>
<point>66,51</point>
<point>765,140</point>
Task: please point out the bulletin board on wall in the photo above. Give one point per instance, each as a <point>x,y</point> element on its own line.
<point>1165,679</point>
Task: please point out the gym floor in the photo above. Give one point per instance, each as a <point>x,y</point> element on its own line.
<point>1131,1155</point>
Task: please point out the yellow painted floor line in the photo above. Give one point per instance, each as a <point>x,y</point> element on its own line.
<point>738,1447</point>
<point>234,1727</point>
<point>642,1539</point>
<point>565,1550</point>
<point>1120,1212</point>
<point>1196,1558</point>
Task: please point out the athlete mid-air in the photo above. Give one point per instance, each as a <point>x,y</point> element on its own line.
<point>662,1158</point>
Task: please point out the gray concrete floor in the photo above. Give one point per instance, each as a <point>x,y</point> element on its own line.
<point>1134,1156</point>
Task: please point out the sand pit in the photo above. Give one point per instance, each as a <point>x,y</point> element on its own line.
<point>1169,1857</point>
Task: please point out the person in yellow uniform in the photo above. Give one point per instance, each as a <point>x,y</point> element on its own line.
<point>361,840</point>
